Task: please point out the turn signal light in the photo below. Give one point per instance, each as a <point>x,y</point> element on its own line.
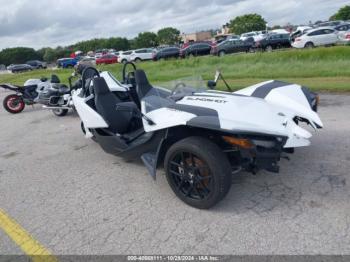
<point>244,143</point>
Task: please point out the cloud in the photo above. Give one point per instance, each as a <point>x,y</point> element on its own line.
<point>61,22</point>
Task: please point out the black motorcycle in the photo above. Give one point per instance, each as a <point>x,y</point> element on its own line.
<point>49,92</point>
<point>25,95</point>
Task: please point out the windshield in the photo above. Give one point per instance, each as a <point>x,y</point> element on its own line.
<point>168,93</point>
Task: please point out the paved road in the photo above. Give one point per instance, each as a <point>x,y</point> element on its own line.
<point>75,199</point>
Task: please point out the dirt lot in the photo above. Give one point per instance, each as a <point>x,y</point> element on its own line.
<point>75,199</point>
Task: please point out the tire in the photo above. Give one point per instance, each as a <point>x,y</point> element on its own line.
<point>309,45</point>
<point>138,60</point>
<point>269,48</point>
<point>60,112</point>
<point>124,61</point>
<point>182,163</point>
<point>13,104</point>
<point>191,55</point>
<point>222,53</point>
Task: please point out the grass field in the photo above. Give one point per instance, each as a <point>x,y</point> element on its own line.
<point>321,69</point>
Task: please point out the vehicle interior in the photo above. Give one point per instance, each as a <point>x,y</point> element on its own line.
<point>124,118</point>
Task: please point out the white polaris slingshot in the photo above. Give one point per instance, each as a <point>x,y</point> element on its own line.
<point>202,136</point>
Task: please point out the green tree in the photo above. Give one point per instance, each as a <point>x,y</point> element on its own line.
<point>17,55</point>
<point>247,23</point>
<point>145,39</point>
<point>168,36</point>
<point>342,14</point>
<point>50,55</point>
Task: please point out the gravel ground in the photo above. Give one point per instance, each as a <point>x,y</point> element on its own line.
<point>75,199</point>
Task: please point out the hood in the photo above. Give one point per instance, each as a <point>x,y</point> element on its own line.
<point>241,113</point>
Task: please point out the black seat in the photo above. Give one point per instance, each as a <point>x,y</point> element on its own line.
<point>117,114</point>
<point>63,89</point>
<point>143,87</point>
<point>88,73</point>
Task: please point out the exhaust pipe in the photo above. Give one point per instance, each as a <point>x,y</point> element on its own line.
<point>56,107</point>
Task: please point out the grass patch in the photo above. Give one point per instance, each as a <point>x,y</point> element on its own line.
<point>326,69</point>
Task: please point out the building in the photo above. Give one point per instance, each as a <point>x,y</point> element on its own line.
<point>222,34</point>
<point>194,37</point>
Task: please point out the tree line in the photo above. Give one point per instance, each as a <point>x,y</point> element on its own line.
<point>18,55</point>
<point>165,36</point>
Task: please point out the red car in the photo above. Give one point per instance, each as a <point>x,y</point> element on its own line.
<point>107,59</point>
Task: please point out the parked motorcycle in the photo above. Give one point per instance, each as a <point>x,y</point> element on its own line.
<point>51,93</point>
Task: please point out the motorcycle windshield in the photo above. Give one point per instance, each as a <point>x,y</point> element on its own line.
<point>170,92</point>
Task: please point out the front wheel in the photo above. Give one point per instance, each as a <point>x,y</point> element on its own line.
<point>60,112</point>
<point>13,104</point>
<point>222,53</point>
<point>198,172</point>
<point>268,48</point>
<point>309,45</point>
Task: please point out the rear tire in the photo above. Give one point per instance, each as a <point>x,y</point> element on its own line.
<point>269,48</point>
<point>60,112</point>
<point>198,172</point>
<point>13,104</point>
<point>309,45</point>
<point>222,53</point>
<point>138,60</point>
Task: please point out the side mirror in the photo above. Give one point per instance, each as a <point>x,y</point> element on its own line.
<point>211,84</point>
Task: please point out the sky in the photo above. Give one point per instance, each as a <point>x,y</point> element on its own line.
<point>41,23</point>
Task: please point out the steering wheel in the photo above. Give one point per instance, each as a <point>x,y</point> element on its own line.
<point>126,75</point>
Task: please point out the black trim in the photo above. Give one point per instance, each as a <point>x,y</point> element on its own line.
<point>264,90</point>
<point>311,98</point>
<point>211,122</point>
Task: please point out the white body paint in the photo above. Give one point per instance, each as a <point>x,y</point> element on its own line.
<point>237,112</point>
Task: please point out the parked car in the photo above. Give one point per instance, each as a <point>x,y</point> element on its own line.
<point>20,68</point>
<point>250,34</point>
<point>222,38</point>
<point>98,55</point>
<point>322,36</point>
<point>329,23</point>
<point>67,62</point>
<point>343,27</point>
<point>107,59</point>
<point>274,41</point>
<point>197,49</point>
<point>185,45</point>
<point>165,53</point>
<point>37,64</point>
<point>231,46</point>
<point>299,32</point>
<point>344,37</point>
<point>124,57</point>
<point>142,54</point>
<point>87,59</point>
<point>342,31</point>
